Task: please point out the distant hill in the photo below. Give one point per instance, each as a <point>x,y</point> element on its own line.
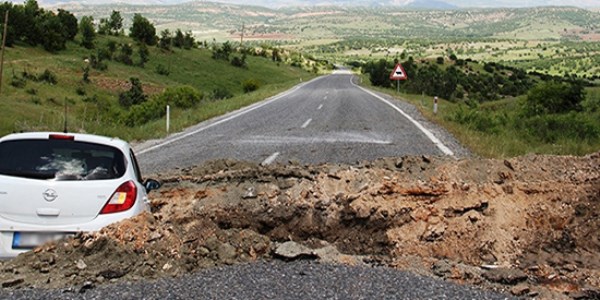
<point>426,4</point>
<point>209,20</point>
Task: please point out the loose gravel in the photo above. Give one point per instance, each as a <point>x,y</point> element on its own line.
<point>274,280</point>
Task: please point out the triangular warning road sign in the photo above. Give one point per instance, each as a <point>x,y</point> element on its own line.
<point>398,73</point>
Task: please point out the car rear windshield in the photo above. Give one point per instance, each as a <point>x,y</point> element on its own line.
<point>60,160</point>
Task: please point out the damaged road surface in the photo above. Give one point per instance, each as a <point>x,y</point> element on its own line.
<point>526,227</point>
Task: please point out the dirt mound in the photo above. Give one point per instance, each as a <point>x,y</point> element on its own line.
<point>527,225</point>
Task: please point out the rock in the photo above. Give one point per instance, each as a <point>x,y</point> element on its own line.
<point>328,254</point>
<point>13,282</point>
<point>505,276</point>
<point>399,163</point>
<point>586,294</point>
<point>81,265</point>
<point>293,250</point>
<point>226,252</point>
<point>570,267</point>
<point>250,193</point>
<point>520,290</point>
<point>434,232</point>
<point>112,273</point>
<point>441,268</point>
<point>508,165</point>
<point>154,236</point>
<point>88,285</point>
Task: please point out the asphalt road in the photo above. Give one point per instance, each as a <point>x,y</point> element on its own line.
<point>329,119</point>
<point>274,280</point>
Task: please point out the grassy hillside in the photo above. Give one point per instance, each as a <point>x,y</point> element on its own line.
<point>30,104</point>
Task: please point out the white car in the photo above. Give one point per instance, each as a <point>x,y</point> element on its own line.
<point>56,184</point>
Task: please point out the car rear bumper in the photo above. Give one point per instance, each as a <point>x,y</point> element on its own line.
<point>8,228</point>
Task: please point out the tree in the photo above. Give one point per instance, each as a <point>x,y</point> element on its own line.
<point>28,18</point>
<point>86,27</point>
<point>554,98</point>
<point>188,40</point>
<point>144,54</point>
<point>379,73</point>
<point>179,39</point>
<point>69,24</point>
<point>51,32</point>
<point>142,30</point>
<point>134,96</point>
<point>222,52</point>
<point>166,39</point>
<point>103,27</point>
<point>125,55</point>
<point>115,22</point>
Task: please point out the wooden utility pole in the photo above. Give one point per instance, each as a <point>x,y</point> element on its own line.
<point>3,46</point>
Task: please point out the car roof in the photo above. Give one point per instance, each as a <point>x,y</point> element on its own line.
<point>80,137</point>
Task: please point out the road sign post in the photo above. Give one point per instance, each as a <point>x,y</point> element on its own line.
<point>397,75</point>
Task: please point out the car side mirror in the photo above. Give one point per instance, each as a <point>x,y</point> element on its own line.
<point>151,184</point>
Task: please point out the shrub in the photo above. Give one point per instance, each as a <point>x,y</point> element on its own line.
<point>239,62</point>
<point>48,77</point>
<point>155,107</point>
<point>250,85</point>
<point>221,93</point>
<point>142,113</point>
<point>181,96</point>
<point>80,91</point>
<point>162,70</point>
<point>552,128</point>
<point>18,82</point>
<point>479,120</point>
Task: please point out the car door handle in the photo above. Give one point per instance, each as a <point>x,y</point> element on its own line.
<point>48,212</point>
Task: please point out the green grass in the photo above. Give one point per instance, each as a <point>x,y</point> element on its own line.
<point>40,106</point>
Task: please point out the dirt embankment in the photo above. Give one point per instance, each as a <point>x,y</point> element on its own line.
<point>529,225</point>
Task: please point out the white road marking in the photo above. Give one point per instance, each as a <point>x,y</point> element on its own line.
<point>331,138</point>
<point>320,106</point>
<point>270,159</point>
<point>428,133</point>
<point>325,98</point>
<point>306,123</point>
<point>233,115</point>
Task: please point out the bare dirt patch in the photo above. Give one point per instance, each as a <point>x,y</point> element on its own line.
<point>527,225</point>
<point>119,85</point>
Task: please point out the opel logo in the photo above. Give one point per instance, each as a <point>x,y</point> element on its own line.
<point>50,195</point>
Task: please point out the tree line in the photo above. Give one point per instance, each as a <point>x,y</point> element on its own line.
<point>33,25</point>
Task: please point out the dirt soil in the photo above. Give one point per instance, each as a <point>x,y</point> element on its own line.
<point>528,226</point>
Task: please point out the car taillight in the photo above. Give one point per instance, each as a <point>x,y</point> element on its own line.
<point>64,137</point>
<point>122,199</point>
